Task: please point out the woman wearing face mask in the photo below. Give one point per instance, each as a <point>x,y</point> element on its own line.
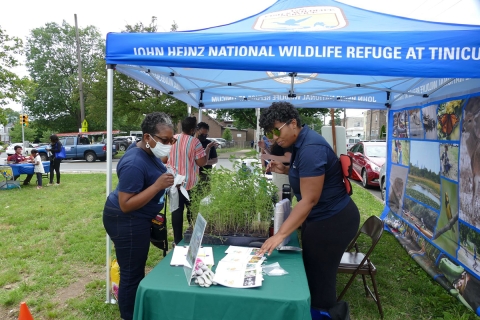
<point>130,208</point>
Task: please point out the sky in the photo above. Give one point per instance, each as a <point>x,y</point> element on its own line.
<point>418,150</point>
<point>18,18</point>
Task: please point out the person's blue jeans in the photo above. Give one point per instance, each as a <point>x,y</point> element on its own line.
<point>131,237</point>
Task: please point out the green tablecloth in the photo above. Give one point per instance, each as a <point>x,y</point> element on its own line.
<point>165,294</point>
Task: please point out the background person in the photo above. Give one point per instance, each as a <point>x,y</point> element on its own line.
<point>18,157</point>
<point>212,157</point>
<point>130,208</point>
<point>329,218</point>
<point>38,169</point>
<point>186,156</point>
<point>55,147</point>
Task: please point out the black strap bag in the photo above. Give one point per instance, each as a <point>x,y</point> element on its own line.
<point>158,232</point>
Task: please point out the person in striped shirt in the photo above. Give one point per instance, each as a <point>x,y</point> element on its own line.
<point>186,156</point>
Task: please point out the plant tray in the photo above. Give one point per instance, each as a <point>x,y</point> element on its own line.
<point>228,240</point>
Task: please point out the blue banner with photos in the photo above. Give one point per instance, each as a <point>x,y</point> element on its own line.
<point>432,203</point>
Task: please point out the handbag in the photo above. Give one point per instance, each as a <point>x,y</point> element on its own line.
<point>347,167</point>
<point>158,231</point>
<point>61,154</point>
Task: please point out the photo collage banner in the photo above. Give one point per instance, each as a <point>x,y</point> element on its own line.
<point>433,188</point>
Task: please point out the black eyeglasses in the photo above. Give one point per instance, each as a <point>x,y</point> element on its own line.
<point>172,140</point>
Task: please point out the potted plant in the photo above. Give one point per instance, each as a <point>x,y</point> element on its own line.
<point>237,204</point>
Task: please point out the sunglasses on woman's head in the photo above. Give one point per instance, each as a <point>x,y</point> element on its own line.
<point>165,141</point>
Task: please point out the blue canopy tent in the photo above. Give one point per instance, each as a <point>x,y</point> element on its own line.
<point>313,53</point>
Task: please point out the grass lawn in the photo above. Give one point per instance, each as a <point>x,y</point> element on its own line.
<point>53,257</point>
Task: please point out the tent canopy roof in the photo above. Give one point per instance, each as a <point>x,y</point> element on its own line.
<point>317,53</point>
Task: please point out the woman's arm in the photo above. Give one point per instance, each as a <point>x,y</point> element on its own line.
<point>56,147</point>
<point>285,158</point>
<point>133,201</point>
<point>311,190</point>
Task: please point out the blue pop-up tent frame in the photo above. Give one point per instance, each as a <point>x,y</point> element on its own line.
<point>313,53</point>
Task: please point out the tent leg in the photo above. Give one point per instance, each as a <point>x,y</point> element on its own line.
<point>110,69</point>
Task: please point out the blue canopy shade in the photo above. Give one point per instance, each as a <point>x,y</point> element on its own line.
<point>317,53</point>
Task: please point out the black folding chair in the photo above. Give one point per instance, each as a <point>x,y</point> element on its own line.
<point>355,262</point>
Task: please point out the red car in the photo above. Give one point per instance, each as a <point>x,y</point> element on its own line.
<point>368,157</point>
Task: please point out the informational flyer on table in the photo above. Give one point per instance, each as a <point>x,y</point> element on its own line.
<point>240,268</point>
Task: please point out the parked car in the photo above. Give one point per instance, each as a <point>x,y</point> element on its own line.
<point>367,158</point>
<point>26,151</point>
<point>222,143</point>
<point>80,148</point>
<point>122,143</point>
<point>383,181</point>
<point>351,142</point>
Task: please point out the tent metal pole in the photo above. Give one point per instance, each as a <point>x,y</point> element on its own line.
<point>110,69</point>
<point>257,132</point>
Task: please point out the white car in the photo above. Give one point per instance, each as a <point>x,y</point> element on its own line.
<point>222,143</point>
<point>26,151</point>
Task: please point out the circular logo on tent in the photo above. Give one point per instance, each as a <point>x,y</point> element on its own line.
<point>315,18</point>
<point>283,77</point>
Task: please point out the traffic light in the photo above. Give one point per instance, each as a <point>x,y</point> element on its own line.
<point>24,120</point>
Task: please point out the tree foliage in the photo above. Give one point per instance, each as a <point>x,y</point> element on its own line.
<point>246,118</point>
<point>383,132</point>
<point>29,133</point>
<point>53,100</point>
<point>132,99</point>
<point>11,85</point>
<point>227,134</point>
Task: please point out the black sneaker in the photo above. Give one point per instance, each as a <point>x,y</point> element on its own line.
<point>26,183</point>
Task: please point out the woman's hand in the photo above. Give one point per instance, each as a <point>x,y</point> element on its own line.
<point>270,244</point>
<point>261,144</point>
<point>165,181</point>
<point>277,167</point>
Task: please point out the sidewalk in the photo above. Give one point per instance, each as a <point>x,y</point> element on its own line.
<point>238,154</point>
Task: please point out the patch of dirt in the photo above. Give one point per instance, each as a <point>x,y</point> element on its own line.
<point>9,313</point>
<point>77,288</point>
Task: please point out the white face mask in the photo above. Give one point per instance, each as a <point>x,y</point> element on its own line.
<point>161,150</point>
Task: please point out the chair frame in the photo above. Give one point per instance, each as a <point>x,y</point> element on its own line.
<point>373,228</point>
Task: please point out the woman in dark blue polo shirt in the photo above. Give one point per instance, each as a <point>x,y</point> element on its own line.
<point>130,208</point>
<point>329,218</point>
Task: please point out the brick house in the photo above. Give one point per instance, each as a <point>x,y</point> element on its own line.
<point>218,127</point>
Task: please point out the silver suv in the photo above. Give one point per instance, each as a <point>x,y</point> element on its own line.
<point>383,181</point>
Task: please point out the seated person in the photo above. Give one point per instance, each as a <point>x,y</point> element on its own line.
<point>18,157</point>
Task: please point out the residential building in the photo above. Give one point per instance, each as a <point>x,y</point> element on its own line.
<point>374,120</point>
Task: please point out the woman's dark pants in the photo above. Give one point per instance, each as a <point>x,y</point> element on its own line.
<point>131,237</point>
<point>323,243</point>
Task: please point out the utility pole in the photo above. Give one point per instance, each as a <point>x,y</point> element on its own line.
<point>23,130</point>
<point>334,136</point>
<point>371,119</point>
<point>80,83</point>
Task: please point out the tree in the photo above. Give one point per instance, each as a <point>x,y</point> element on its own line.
<point>227,134</point>
<point>11,85</point>
<point>131,99</point>
<point>383,132</point>
<point>246,118</point>
<point>54,100</point>
<point>15,133</point>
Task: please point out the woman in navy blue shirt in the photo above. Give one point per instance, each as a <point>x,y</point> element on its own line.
<point>129,210</point>
<point>329,218</point>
